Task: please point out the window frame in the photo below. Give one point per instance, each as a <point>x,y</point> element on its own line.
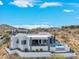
<point>23,42</point>
<point>17,41</point>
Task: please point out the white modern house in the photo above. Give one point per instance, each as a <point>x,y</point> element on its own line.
<point>36,45</point>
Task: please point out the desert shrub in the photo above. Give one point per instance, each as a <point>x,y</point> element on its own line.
<point>41,49</point>
<point>26,49</point>
<point>57,57</point>
<point>37,50</point>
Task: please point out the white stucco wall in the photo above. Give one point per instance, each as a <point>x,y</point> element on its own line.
<point>28,43</point>
<point>13,44</point>
<point>44,48</point>
<point>52,49</point>
<point>39,54</point>
<point>21,37</point>
<point>65,47</point>
<point>21,46</point>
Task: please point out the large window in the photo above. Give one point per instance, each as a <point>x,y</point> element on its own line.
<point>39,42</point>
<point>23,42</point>
<point>35,42</point>
<point>17,41</point>
<point>44,41</point>
<point>51,40</point>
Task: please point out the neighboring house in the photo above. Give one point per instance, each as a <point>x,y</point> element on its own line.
<point>36,45</point>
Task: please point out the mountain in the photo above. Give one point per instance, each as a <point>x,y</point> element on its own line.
<point>34,26</point>
<point>71,27</point>
<point>6,27</point>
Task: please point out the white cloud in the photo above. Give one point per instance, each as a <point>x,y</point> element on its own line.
<point>24,3</point>
<point>1,3</point>
<point>68,11</point>
<point>47,4</point>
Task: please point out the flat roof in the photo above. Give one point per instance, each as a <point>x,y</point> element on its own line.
<point>37,35</point>
<point>20,35</point>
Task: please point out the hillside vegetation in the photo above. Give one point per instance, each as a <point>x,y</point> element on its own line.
<point>66,34</point>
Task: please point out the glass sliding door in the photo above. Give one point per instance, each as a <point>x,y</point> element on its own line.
<point>39,42</point>
<point>35,43</point>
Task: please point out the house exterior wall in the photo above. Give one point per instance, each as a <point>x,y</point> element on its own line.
<point>26,46</point>
<point>28,43</point>
<point>38,38</point>
<point>60,49</point>
<point>52,49</point>
<point>39,54</point>
<point>67,48</point>
<point>34,48</point>
<point>44,48</point>
<point>21,46</point>
<point>13,44</point>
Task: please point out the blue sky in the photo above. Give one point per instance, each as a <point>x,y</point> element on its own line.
<point>28,12</point>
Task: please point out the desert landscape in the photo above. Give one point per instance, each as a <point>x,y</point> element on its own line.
<point>59,18</point>
<point>66,34</point>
